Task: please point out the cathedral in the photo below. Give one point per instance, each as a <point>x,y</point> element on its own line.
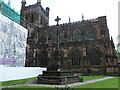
<point>84,46</point>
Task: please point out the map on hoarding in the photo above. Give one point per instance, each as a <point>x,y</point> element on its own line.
<point>12,43</point>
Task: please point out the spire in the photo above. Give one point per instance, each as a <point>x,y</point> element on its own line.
<point>38,1</point>
<point>111,39</point>
<point>112,43</point>
<point>82,16</point>
<point>23,3</point>
<point>47,11</point>
<point>69,19</point>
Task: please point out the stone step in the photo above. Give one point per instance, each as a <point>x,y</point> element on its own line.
<point>57,80</point>
<point>57,73</point>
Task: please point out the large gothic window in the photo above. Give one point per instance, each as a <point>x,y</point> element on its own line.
<point>94,57</point>
<point>77,36</point>
<point>42,39</point>
<point>58,56</point>
<point>63,36</point>
<point>42,59</point>
<point>91,35</point>
<point>53,36</point>
<point>75,58</point>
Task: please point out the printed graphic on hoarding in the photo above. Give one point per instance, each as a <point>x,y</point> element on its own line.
<point>12,43</point>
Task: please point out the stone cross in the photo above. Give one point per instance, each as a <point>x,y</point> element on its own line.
<point>57,20</point>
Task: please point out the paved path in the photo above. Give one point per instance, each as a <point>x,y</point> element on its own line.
<point>69,85</point>
<point>72,84</point>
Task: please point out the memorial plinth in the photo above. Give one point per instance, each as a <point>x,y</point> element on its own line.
<point>57,78</point>
<point>56,74</point>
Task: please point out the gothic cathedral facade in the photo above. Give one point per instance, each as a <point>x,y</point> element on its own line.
<point>84,46</point>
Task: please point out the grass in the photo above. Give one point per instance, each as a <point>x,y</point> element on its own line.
<point>35,87</point>
<point>31,88</point>
<point>110,83</point>
<point>23,81</point>
<point>17,82</point>
<point>86,78</point>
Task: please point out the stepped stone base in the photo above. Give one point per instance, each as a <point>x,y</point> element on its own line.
<point>57,77</point>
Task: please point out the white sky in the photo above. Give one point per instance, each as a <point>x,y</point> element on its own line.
<point>74,8</point>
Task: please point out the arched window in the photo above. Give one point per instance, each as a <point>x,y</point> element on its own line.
<point>42,39</point>
<point>75,58</point>
<point>58,56</point>
<point>94,57</point>
<point>63,36</point>
<point>77,36</point>
<point>91,35</point>
<point>53,36</point>
<point>42,59</point>
<point>41,20</point>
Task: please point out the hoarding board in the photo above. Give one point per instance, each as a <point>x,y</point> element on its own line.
<point>12,43</point>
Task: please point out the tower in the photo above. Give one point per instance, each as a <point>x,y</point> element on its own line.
<point>35,14</point>
<point>32,17</point>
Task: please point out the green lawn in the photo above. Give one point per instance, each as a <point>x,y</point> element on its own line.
<point>110,83</point>
<point>31,88</point>
<point>17,82</point>
<point>23,81</point>
<point>35,87</point>
<point>86,78</point>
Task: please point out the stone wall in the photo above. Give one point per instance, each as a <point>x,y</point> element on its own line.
<point>44,39</point>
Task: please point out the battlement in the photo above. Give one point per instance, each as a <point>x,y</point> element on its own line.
<point>99,19</point>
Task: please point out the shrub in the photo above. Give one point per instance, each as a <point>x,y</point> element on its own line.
<point>81,79</point>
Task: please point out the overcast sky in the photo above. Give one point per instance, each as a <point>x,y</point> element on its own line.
<point>74,8</point>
